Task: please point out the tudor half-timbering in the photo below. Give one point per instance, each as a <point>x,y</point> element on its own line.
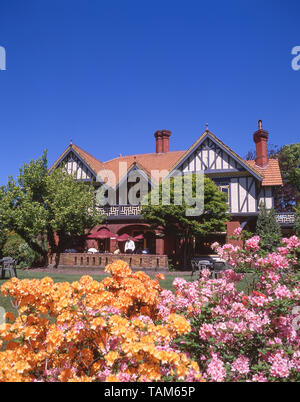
<point>246,183</point>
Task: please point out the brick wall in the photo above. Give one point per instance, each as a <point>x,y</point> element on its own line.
<point>231,226</point>
<point>86,260</point>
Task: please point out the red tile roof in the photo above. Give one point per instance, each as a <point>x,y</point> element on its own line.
<point>91,161</point>
<point>271,173</point>
<point>165,161</point>
<point>147,162</point>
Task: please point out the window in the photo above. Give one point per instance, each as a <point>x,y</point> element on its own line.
<point>225,189</point>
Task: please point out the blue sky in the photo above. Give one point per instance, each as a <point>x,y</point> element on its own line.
<point>108,74</point>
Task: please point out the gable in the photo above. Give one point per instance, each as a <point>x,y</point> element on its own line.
<point>76,166</point>
<point>210,155</point>
<point>134,172</point>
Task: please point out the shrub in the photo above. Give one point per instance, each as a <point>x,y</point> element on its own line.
<point>237,336</point>
<point>92,331</point>
<point>18,249</point>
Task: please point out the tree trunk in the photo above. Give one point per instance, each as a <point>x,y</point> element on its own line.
<point>62,241</point>
<point>53,245</point>
<point>185,252</point>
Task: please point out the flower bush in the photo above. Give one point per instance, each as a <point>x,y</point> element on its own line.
<point>127,328</point>
<point>237,336</point>
<point>92,331</point>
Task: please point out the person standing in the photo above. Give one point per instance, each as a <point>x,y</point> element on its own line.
<point>129,246</point>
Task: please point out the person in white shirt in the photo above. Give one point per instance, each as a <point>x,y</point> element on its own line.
<point>129,247</point>
<point>92,250</point>
<point>117,251</point>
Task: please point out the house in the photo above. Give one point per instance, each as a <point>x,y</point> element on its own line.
<point>246,184</point>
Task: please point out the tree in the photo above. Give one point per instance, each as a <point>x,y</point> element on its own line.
<point>173,218</point>
<point>3,238</point>
<point>47,209</point>
<point>273,151</point>
<point>288,157</point>
<point>289,194</point>
<point>71,209</point>
<point>268,228</point>
<point>22,207</point>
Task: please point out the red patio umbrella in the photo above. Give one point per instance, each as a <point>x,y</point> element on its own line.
<point>102,234</point>
<point>139,237</point>
<point>124,237</point>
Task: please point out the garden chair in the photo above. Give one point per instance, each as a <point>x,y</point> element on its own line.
<point>218,267</point>
<point>8,264</point>
<point>199,264</point>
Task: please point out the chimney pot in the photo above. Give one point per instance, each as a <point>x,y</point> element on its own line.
<point>165,140</point>
<point>162,141</point>
<point>158,137</point>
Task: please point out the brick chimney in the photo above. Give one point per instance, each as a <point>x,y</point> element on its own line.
<point>158,137</point>
<point>261,138</point>
<point>162,141</point>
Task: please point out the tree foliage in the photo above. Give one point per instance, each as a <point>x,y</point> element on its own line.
<point>37,205</point>
<point>22,207</point>
<point>268,228</point>
<point>288,157</point>
<point>289,194</point>
<point>173,219</point>
<point>19,250</point>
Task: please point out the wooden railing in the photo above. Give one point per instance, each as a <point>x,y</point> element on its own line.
<point>286,218</point>
<point>120,210</point>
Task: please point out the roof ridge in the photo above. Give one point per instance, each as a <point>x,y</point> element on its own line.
<point>148,153</point>
<point>87,153</point>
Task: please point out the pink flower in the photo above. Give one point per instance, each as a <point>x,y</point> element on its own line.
<point>280,366</point>
<point>215,245</point>
<point>252,244</point>
<point>241,365</point>
<point>216,369</point>
<point>237,231</point>
<point>259,378</point>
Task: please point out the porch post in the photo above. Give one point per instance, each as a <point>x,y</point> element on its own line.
<point>159,243</point>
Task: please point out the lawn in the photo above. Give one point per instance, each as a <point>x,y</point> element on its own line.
<point>64,277</point>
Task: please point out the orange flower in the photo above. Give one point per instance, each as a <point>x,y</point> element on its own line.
<point>77,332</point>
<point>160,277</point>
<point>10,317</point>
